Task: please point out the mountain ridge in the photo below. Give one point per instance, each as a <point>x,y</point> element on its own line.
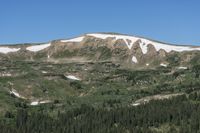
<point>84,34</point>
<point>124,49</point>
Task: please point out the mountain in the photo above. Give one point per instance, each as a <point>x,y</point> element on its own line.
<point>99,82</point>
<point>125,49</point>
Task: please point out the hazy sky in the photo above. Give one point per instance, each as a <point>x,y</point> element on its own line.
<point>173,21</point>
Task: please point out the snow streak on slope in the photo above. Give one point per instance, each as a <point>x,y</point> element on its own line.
<point>135,104</point>
<point>144,47</point>
<point>78,39</point>
<point>6,50</point>
<point>37,48</point>
<point>14,92</point>
<point>130,40</point>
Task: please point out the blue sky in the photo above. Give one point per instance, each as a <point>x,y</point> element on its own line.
<point>173,21</point>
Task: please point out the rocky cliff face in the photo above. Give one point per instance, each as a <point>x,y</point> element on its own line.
<point>127,50</point>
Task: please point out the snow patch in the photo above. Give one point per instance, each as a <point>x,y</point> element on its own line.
<point>72,77</point>
<point>4,74</point>
<point>134,59</point>
<point>145,42</point>
<point>6,50</point>
<point>129,40</point>
<point>184,68</point>
<point>167,47</point>
<point>45,101</point>
<point>34,103</point>
<point>37,48</point>
<point>44,72</point>
<point>77,39</point>
<point>164,65</point>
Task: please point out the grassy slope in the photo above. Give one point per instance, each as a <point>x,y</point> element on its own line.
<point>102,84</point>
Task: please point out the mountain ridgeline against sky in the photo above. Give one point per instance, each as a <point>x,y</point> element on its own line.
<point>130,50</point>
